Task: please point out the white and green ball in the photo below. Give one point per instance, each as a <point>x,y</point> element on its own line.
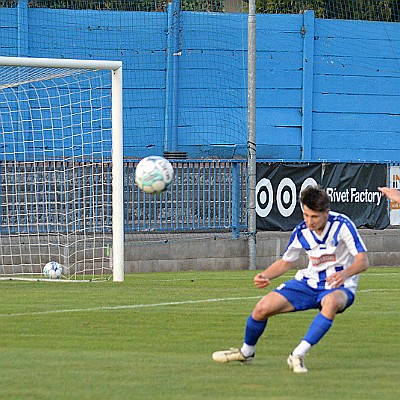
<point>154,174</point>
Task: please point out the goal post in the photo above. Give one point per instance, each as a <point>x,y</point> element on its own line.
<point>61,168</point>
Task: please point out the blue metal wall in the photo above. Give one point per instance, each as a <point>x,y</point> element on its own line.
<point>326,89</point>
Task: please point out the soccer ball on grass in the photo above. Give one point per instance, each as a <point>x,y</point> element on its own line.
<point>53,270</point>
<point>154,174</point>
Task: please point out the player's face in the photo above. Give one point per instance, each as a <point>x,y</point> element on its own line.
<point>315,220</point>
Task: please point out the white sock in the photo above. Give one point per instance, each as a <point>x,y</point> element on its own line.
<point>247,350</point>
<point>302,349</point>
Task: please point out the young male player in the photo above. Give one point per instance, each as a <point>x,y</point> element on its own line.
<point>336,255</point>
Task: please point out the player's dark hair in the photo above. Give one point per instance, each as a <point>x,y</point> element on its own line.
<point>315,199</point>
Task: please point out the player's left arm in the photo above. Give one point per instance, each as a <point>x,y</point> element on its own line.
<point>359,265</point>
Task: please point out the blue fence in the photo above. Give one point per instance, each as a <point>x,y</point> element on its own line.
<point>42,197</point>
<point>327,89</point>
<point>206,195</point>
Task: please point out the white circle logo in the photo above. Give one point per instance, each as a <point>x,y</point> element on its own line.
<point>264,199</point>
<point>286,199</point>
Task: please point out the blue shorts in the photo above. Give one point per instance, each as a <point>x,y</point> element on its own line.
<point>303,297</point>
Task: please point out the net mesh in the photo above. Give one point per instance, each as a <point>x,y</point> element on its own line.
<point>370,10</point>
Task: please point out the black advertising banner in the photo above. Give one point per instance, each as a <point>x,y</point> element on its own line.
<point>277,191</point>
<point>353,190</point>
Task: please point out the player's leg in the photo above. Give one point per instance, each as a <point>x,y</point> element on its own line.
<point>331,304</point>
<point>271,304</point>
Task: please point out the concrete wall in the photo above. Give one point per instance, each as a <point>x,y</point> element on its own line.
<point>231,254</point>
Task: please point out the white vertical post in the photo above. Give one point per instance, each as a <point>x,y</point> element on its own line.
<point>117,177</point>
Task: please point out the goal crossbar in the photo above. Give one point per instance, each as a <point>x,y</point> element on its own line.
<point>60,63</point>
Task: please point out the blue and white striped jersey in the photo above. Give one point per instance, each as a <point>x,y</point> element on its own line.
<point>332,251</point>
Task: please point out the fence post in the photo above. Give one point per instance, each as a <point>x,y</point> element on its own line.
<point>172,77</point>
<point>251,141</point>
<point>236,199</point>
<point>308,73</point>
<point>23,28</point>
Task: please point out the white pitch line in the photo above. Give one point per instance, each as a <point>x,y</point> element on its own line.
<point>172,303</point>
<point>377,290</point>
<point>127,307</point>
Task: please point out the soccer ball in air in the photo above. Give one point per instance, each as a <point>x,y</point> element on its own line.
<point>52,270</point>
<point>154,174</point>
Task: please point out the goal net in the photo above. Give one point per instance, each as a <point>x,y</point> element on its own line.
<point>61,168</point>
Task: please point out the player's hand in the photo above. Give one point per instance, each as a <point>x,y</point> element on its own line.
<point>391,193</point>
<point>261,281</point>
<point>335,280</point>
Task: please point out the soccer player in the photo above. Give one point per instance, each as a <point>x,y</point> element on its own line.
<point>391,193</point>
<point>336,255</point>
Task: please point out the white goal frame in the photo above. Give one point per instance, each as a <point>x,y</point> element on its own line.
<point>115,68</point>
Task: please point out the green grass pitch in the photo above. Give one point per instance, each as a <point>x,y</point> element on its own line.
<point>152,337</point>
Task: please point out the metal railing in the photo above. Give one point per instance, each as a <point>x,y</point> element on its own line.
<point>206,194</point>
<point>40,197</point>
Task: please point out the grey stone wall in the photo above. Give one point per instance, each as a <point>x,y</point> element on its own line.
<point>231,254</point>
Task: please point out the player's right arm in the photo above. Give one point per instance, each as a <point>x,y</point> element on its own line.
<point>278,268</point>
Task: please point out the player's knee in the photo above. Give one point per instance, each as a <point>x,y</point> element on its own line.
<point>334,303</point>
<point>270,305</point>
<point>263,309</point>
<point>260,312</point>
